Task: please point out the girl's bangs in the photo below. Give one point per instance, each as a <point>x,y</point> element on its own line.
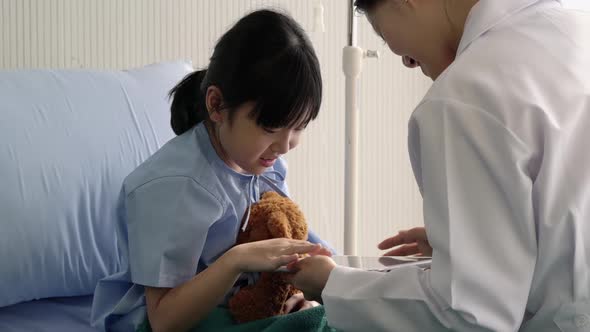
<point>291,97</point>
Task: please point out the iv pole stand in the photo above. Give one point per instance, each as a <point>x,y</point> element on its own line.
<point>352,61</point>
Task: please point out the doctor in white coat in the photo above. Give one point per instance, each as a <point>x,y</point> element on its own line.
<point>500,148</point>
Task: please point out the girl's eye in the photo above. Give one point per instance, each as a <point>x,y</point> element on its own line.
<point>270,131</point>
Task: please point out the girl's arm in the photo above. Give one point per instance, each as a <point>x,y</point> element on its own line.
<point>182,307</point>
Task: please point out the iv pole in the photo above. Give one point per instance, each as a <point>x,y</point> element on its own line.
<point>352,61</point>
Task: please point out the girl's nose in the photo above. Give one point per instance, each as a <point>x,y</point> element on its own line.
<point>281,146</point>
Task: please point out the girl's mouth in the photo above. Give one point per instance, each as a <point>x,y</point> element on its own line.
<point>267,162</point>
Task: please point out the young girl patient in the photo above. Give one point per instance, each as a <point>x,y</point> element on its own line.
<point>182,209</point>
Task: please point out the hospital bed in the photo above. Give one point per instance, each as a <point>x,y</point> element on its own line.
<point>67,140</point>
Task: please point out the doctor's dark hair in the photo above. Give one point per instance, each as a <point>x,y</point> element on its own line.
<point>267,58</point>
<point>364,6</point>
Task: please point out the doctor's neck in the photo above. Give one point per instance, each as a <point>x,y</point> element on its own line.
<point>457,12</point>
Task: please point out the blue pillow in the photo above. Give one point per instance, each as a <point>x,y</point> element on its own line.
<point>67,140</point>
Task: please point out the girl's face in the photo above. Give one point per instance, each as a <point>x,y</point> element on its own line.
<point>418,31</point>
<point>248,148</point>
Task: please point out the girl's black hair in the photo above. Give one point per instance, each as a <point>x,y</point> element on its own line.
<point>267,58</point>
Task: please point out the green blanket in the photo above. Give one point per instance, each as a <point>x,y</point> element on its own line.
<point>313,319</point>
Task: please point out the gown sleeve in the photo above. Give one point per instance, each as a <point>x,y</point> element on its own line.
<point>478,212</point>
<point>167,221</point>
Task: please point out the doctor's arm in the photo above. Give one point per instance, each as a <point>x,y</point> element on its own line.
<point>478,210</point>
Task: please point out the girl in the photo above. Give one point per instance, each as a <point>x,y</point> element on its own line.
<point>182,209</point>
<point>497,150</point>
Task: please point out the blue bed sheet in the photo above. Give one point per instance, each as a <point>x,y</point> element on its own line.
<point>69,314</point>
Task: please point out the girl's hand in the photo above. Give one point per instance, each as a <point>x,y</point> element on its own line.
<point>410,242</point>
<point>311,275</point>
<point>297,303</point>
<point>269,255</point>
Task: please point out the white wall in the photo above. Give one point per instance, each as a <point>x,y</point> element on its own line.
<point>108,34</point>
<point>578,4</point>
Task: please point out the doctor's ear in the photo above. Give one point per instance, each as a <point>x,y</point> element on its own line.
<point>213,101</point>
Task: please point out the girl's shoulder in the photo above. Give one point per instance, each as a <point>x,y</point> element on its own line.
<point>181,157</point>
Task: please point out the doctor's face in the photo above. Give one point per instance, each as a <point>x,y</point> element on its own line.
<point>249,148</point>
<point>417,31</point>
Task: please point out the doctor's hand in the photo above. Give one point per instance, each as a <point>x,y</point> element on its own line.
<point>297,303</point>
<point>310,275</point>
<point>269,255</point>
<point>408,242</point>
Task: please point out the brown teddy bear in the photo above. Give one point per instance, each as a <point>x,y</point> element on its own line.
<point>273,216</point>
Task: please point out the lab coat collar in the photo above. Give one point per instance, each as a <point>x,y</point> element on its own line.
<point>488,13</point>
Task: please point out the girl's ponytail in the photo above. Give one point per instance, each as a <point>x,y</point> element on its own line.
<point>188,103</point>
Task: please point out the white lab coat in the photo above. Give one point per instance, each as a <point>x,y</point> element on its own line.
<point>500,151</point>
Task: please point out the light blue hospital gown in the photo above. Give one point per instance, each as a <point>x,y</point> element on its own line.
<point>179,211</point>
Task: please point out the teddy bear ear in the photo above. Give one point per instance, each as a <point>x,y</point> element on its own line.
<point>270,195</point>
<point>278,225</point>
<point>298,223</point>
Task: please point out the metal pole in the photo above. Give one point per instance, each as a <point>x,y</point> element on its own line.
<point>352,66</point>
<point>352,24</point>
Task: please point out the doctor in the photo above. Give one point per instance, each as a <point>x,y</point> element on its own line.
<point>499,148</point>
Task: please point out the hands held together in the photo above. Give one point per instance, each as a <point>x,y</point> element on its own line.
<point>310,274</point>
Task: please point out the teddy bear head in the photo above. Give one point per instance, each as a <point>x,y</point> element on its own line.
<point>274,216</point>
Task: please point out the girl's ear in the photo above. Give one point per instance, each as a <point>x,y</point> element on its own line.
<point>213,101</point>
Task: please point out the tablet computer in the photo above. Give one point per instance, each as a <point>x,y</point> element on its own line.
<point>382,263</point>
<point>377,263</point>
